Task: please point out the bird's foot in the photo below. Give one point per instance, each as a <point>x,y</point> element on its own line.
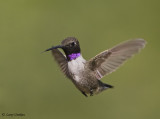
<point>91,92</point>
<point>84,93</point>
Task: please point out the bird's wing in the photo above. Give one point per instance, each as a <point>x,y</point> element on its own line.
<point>62,62</point>
<point>109,60</point>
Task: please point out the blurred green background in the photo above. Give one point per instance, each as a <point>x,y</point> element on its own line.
<point>31,82</point>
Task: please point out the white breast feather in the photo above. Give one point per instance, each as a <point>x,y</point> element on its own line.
<point>76,66</point>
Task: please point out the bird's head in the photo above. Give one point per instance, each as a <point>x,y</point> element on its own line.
<point>70,46</point>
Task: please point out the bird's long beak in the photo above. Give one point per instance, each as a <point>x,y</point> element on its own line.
<point>55,47</point>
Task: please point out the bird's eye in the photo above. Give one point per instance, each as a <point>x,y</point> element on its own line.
<point>73,44</point>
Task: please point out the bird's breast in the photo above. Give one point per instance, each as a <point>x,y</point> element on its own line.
<point>76,67</point>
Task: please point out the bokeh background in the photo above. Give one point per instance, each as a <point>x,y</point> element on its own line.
<point>31,82</point>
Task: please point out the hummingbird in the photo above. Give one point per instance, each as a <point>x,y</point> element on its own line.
<point>87,75</point>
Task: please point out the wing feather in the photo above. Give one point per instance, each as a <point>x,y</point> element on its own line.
<point>109,60</point>
<point>62,62</point>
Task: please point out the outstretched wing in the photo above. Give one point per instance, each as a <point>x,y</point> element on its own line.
<point>108,61</point>
<point>62,61</point>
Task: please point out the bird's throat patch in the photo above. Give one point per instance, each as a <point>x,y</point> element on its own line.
<point>74,56</point>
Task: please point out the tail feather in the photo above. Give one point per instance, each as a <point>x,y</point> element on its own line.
<point>107,85</point>
<point>104,86</point>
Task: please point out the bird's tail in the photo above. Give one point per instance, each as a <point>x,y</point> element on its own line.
<point>107,85</point>
<point>103,86</point>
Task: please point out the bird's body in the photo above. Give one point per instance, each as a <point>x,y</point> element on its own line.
<point>83,77</point>
<point>86,75</point>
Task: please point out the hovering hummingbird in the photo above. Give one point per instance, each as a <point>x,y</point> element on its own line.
<point>86,75</point>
